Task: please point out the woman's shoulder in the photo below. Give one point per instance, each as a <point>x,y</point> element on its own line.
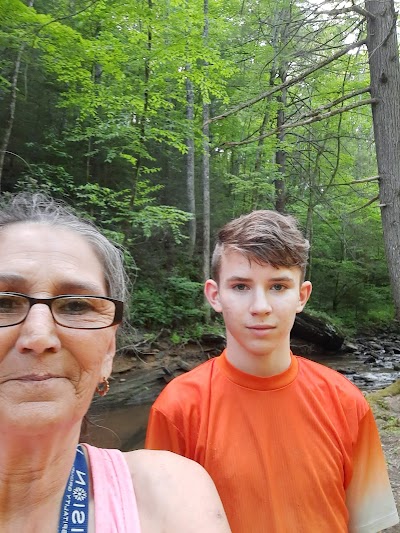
<point>148,465</point>
<point>175,492</point>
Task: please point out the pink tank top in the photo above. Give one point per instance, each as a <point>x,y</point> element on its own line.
<point>115,505</point>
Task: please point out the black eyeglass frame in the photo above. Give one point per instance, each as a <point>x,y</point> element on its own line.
<point>118,315</point>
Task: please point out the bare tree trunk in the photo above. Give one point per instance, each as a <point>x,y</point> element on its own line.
<point>190,185</point>
<point>11,110</point>
<point>261,143</point>
<point>206,175</point>
<point>385,87</point>
<point>142,121</point>
<point>280,159</point>
<point>206,192</point>
<point>12,106</point>
<point>309,231</point>
<point>97,72</point>
<point>280,41</point>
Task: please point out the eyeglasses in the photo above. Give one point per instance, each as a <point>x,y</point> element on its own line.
<point>70,311</point>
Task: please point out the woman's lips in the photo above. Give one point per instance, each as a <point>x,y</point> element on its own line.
<point>35,377</point>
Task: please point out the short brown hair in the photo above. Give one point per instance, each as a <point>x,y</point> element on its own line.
<point>263,236</point>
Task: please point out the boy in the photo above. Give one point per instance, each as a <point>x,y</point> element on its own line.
<point>291,445</point>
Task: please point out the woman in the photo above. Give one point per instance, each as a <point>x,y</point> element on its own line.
<point>61,289</point>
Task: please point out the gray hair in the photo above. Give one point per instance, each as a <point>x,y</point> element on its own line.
<point>43,209</point>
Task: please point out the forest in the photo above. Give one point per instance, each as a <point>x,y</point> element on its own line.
<point>163,119</point>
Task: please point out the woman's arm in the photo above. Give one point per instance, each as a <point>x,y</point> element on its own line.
<point>175,494</point>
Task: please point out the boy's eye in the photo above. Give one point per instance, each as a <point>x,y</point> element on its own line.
<point>240,287</point>
<point>277,287</point>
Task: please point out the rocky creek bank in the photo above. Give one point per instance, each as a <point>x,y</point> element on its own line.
<point>372,362</point>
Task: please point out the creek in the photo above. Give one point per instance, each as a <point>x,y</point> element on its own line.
<point>371,363</point>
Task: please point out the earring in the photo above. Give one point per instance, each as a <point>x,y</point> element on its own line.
<point>103,387</point>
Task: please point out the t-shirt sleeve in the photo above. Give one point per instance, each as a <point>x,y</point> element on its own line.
<point>162,433</point>
<point>369,497</point>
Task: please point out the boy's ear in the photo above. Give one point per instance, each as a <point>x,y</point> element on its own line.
<point>212,295</point>
<point>305,293</point>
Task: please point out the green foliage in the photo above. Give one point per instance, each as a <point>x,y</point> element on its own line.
<point>251,190</point>
<point>101,122</point>
<point>106,207</point>
<point>173,302</point>
<point>156,218</point>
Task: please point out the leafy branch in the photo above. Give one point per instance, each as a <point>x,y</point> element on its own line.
<point>289,82</point>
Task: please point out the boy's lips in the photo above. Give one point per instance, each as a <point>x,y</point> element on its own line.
<point>261,327</point>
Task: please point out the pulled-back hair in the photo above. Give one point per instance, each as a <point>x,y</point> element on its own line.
<point>263,236</point>
<point>40,208</point>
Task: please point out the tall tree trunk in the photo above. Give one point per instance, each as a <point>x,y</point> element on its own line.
<point>261,143</point>
<point>279,71</point>
<point>280,156</point>
<point>97,71</point>
<point>385,87</point>
<point>142,120</point>
<point>206,174</point>
<point>12,106</point>
<point>190,185</point>
<point>206,192</point>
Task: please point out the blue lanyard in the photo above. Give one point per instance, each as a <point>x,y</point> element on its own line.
<point>74,514</point>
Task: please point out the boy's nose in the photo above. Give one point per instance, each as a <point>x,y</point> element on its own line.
<point>260,303</point>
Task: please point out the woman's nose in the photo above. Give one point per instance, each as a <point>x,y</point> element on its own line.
<point>38,333</point>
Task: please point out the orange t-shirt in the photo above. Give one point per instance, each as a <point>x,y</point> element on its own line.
<point>297,452</point>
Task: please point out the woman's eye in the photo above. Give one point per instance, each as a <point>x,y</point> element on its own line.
<point>9,304</point>
<point>74,307</point>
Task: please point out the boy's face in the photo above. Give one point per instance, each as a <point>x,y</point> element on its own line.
<point>259,304</point>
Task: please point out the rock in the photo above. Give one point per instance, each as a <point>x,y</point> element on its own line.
<point>374,345</point>
<point>184,365</point>
<point>349,347</point>
<point>318,331</point>
<point>217,341</point>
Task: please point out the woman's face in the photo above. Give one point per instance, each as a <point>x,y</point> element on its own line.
<point>48,373</point>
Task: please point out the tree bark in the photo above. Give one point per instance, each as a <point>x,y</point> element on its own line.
<point>385,87</point>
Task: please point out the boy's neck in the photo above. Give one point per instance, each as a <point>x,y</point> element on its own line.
<point>270,364</point>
